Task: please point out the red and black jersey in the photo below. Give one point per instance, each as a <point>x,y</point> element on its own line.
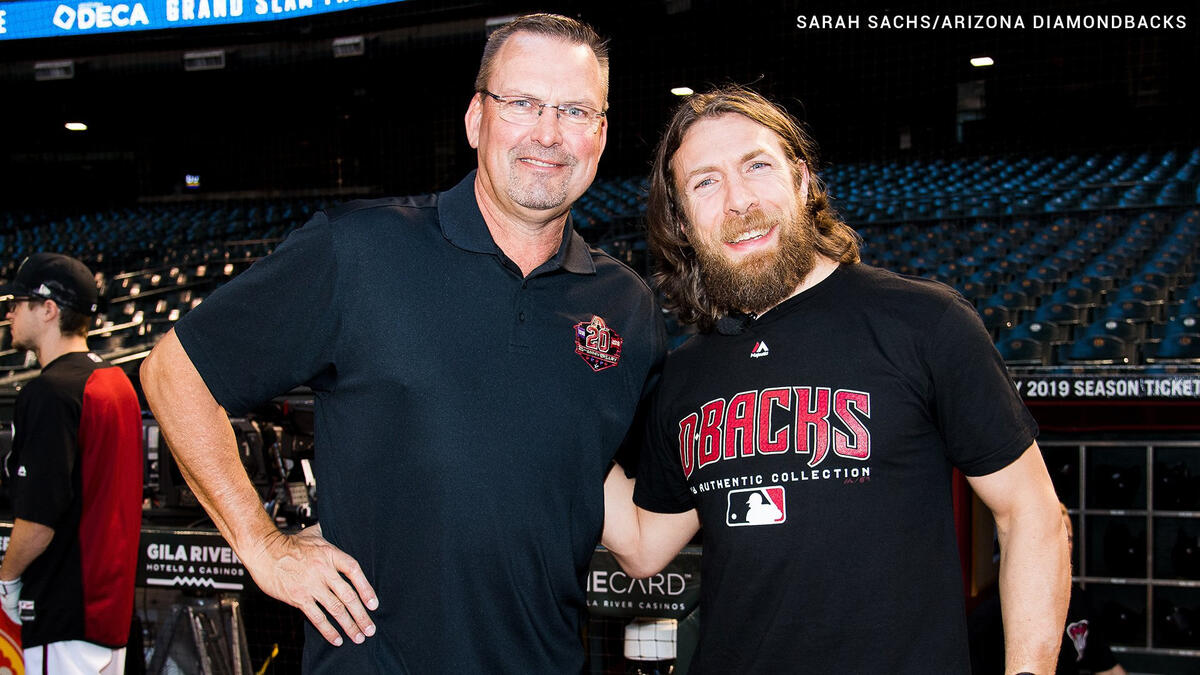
<point>76,466</point>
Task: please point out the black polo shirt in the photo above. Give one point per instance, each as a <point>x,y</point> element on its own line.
<point>465,418</point>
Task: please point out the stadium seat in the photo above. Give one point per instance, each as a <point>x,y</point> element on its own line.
<point>1101,350</point>
<point>1132,310</point>
<point>1148,293</point>
<point>1043,331</point>
<point>1023,351</point>
<point>1128,331</point>
<point>996,319</point>
<point>1061,313</point>
<point>1179,347</point>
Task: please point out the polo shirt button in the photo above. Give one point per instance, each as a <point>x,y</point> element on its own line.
<point>521,316</point>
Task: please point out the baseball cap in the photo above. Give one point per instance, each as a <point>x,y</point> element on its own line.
<point>57,277</point>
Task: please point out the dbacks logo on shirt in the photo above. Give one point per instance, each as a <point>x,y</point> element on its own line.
<point>806,420</point>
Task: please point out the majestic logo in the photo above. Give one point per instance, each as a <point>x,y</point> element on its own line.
<point>1078,633</point>
<point>21,470</point>
<point>756,506</point>
<point>597,344</point>
<point>760,349</point>
<point>807,420</point>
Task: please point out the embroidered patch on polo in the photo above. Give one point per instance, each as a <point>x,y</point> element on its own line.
<point>597,344</point>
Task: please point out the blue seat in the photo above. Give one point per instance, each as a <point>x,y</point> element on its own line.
<point>1128,331</point>
<point>1179,347</point>
<point>1043,331</point>
<point>1022,351</point>
<point>1013,300</point>
<point>996,319</point>
<point>975,291</point>
<point>1148,293</point>
<point>1032,288</point>
<point>1101,350</point>
<point>1078,296</point>
<point>1131,310</point>
<point>1094,283</point>
<point>1186,323</point>
<point>1060,313</point>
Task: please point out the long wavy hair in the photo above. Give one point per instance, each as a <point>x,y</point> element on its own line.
<point>677,272</point>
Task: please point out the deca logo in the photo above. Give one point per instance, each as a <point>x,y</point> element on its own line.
<point>88,15</point>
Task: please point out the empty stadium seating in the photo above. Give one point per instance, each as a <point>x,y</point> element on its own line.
<point>1072,262</point>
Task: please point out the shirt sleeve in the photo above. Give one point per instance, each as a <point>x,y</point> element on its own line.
<point>661,486</point>
<point>48,427</point>
<point>984,422</point>
<point>272,328</point>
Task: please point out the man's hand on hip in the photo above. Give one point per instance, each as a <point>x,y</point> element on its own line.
<point>306,571</point>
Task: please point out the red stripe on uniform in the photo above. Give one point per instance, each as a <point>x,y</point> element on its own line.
<point>110,448</point>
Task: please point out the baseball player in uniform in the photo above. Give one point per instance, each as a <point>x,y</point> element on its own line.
<point>76,476</point>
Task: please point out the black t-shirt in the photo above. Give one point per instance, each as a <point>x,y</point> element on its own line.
<point>817,448</point>
<point>76,467</point>
<point>465,418</point>
<point>1085,645</point>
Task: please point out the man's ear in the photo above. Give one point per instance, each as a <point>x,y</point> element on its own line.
<point>804,178</point>
<point>473,119</point>
<point>48,312</point>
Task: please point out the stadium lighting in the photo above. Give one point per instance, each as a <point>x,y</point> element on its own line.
<point>982,61</point>
<point>75,126</point>
<point>682,91</point>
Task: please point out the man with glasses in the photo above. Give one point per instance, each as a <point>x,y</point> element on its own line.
<point>475,367</point>
<point>75,473</point>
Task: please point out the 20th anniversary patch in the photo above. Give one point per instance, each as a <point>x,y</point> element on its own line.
<point>597,344</point>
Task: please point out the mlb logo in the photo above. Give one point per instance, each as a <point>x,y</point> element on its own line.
<point>756,506</point>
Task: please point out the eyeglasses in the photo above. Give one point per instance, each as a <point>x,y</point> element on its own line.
<point>13,301</point>
<point>527,111</point>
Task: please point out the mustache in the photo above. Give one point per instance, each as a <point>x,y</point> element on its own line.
<point>733,226</point>
<point>542,153</point>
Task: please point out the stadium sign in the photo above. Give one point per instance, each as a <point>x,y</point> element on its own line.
<point>24,19</point>
<point>1124,387</point>
<point>188,559</point>
<point>670,594</point>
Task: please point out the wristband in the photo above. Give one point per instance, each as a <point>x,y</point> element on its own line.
<point>9,587</point>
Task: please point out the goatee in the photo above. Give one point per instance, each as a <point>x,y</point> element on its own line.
<point>763,280</point>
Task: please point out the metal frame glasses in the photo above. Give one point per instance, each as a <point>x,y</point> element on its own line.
<point>527,111</point>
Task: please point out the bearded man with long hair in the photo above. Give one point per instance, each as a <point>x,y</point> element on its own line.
<point>812,425</point>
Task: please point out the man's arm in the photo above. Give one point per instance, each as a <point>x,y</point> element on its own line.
<point>27,541</point>
<point>1035,570</point>
<point>302,570</point>
<point>643,542</point>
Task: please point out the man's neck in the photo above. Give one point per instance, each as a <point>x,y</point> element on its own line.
<point>822,268</point>
<point>528,243</point>
<point>53,347</point>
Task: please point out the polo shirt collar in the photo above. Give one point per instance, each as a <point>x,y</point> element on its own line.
<point>463,225</point>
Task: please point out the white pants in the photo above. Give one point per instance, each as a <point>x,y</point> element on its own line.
<point>74,657</point>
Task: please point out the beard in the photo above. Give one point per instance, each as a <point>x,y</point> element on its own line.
<point>763,280</point>
<point>539,192</point>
